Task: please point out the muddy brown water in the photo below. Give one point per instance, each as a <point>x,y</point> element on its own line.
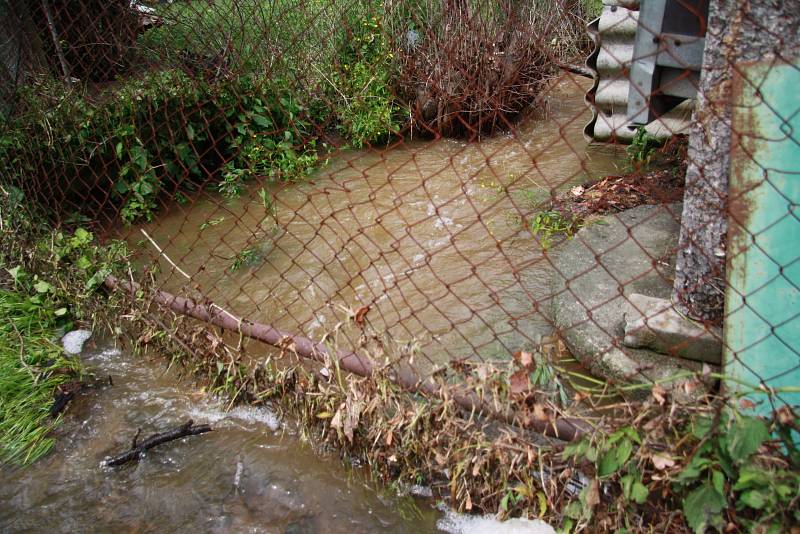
<point>427,234</point>
<point>251,474</point>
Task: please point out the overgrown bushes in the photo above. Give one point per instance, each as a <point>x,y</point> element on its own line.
<point>158,135</point>
<point>234,89</point>
<point>470,68</point>
<point>364,86</point>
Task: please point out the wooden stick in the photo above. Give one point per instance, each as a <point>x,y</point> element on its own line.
<point>137,450</point>
<point>51,24</point>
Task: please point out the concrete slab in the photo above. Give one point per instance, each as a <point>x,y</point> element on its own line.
<point>595,272</point>
<point>657,325</point>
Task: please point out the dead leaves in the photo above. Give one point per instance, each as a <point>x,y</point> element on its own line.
<point>519,383</point>
<point>361,315</point>
<point>347,416</point>
<point>661,461</point>
<point>524,359</point>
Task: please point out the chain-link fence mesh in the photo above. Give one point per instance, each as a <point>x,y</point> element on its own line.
<point>413,185</point>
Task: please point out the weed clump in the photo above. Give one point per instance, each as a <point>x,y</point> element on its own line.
<point>32,369</point>
<point>469,69</point>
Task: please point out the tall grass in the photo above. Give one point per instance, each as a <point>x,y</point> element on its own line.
<point>32,367</point>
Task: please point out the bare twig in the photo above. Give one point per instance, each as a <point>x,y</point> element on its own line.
<point>136,451</point>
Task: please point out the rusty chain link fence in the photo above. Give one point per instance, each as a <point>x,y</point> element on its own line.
<point>488,202</point>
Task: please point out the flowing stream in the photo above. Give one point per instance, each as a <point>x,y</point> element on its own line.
<point>428,234</point>
<point>250,474</point>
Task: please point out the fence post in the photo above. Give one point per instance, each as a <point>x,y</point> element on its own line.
<point>762,323</point>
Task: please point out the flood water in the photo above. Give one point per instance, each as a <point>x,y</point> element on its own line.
<point>428,234</point>
<point>250,474</point>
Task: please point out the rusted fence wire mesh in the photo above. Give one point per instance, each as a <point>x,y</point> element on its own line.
<point>442,193</point>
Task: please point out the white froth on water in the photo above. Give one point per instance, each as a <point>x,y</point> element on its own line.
<point>241,414</point>
<point>73,341</point>
<point>456,523</point>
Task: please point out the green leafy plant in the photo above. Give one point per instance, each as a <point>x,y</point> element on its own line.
<point>268,203</point>
<point>249,256</point>
<point>642,147</point>
<point>211,222</point>
<point>547,224</point>
<point>724,473</point>
<point>145,150</point>
<point>367,108</point>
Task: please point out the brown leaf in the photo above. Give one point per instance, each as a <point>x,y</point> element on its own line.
<point>577,191</point>
<point>540,413</point>
<point>361,314</point>
<point>747,404</point>
<point>659,394</point>
<point>661,461</point>
<point>593,494</point>
<point>524,359</point>
<point>785,416</point>
<point>519,382</point>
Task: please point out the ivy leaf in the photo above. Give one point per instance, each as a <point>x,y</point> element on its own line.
<point>718,480</point>
<point>701,426</point>
<point>624,451</point>
<point>42,287</point>
<point>745,437</point>
<point>261,120</point>
<point>83,263</point>
<point>703,507</point>
<point>750,477</point>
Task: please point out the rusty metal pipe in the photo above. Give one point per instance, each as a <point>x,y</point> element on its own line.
<point>406,378</point>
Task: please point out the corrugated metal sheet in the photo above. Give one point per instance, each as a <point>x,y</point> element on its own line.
<point>614,35</point>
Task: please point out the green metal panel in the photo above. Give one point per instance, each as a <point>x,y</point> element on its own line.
<point>762,323</point>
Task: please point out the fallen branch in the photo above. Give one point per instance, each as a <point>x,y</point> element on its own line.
<point>137,450</point>
<point>576,69</point>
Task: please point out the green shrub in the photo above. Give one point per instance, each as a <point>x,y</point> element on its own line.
<point>366,106</point>
<point>547,224</point>
<point>642,147</point>
<point>157,135</point>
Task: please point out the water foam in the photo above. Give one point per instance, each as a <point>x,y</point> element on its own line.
<point>73,341</point>
<point>248,415</point>
<point>456,523</point>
